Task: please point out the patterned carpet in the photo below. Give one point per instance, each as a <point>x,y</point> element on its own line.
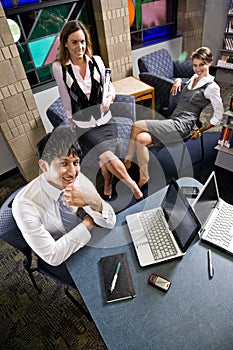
<point>34,321</point>
<point>46,321</point>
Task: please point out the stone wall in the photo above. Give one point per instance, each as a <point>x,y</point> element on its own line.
<point>113,29</point>
<point>20,121</point>
<point>190,21</point>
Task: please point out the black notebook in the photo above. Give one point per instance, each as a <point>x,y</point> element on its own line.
<point>124,288</point>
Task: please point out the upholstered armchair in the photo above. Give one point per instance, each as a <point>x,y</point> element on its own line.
<point>159,70</point>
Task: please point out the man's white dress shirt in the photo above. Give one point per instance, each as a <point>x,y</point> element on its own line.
<point>36,211</point>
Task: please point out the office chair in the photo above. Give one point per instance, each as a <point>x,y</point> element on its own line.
<point>10,233</point>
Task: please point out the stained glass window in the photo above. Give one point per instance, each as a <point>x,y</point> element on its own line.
<point>151,21</point>
<point>40,25</point>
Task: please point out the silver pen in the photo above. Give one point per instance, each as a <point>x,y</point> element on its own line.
<point>113,284</point>
<point>210,265</point>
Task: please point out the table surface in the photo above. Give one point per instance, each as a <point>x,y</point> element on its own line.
<point>196,312</point>
<point>132,86</point>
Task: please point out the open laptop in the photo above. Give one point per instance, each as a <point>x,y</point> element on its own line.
<point>175,216</point>
<point>215,215</point>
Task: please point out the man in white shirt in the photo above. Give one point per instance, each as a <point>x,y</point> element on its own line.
<point>36,207</point>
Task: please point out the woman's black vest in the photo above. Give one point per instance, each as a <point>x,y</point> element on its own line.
<point>79,100</point>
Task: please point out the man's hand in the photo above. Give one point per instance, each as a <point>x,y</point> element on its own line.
<point>79,197</point>
<point>88,222</point>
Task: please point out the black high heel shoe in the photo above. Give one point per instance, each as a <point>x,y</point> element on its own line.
<point>139,199</point>
<point>106,197</point>
<point>144,190</point>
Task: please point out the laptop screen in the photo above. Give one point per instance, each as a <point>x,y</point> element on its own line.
<point>181,219</point>
<point>207,200</point>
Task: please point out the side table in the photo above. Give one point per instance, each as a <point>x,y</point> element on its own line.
<point>135,87</point>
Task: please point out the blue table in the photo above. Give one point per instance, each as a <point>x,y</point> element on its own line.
<point>196,313</point>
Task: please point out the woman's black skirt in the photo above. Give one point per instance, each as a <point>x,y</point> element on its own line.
<point>102,137</point>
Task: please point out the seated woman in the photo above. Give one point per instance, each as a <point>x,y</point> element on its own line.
<point>80,78</point>
<point>198,92</point>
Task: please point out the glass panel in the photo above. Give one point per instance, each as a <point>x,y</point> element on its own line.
<point>8,3</point>
<point>44,74</point>
<point>50,21</point>
<point>32,78</point>
<point>25,56</point>
<point>84,17</point>
<point>154,13</point>
<point>40,49</point>
<point>154,21</point>
<point>157,32</point>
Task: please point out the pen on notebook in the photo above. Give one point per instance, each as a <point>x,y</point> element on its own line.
<point>113,284</point>
<point>210,265</point>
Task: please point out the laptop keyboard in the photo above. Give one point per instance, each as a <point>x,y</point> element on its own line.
<point>220,231</point>
<point>158,236</point>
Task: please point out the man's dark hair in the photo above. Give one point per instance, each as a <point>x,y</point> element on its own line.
<point>58,143</point>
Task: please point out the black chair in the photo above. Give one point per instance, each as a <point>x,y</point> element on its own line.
<point>159,70</point>
<point>10,233</point>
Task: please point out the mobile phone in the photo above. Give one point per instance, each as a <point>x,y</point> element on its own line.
<point>190,191</point>
<point>159,282</point>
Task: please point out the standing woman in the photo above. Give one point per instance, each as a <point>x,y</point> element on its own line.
<point>199,91</point>
<point>80,78</point>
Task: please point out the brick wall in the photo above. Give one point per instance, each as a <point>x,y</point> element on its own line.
<point>20,121</point>
<point>190,20</point>
<point>113,28</point>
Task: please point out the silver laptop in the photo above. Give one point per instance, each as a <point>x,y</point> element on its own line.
<point>166,232</point>
<point>215,215</point>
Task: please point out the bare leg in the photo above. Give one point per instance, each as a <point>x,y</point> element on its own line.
<point>107,180</point>
<point>115,166</point>
<point>143,140</point>
<point>137,128</point>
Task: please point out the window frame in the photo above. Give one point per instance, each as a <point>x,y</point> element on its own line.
<point>170,27</point>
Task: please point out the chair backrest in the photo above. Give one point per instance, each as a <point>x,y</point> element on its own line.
<point>124,114</point>
<point>124,106</point>
<point>56,113</point>
<point>9,231</point>
<point>158,63</point>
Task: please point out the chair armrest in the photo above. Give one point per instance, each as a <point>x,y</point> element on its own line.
<point>56,113</point>
<point>183,69</point>
<point>162,88</point>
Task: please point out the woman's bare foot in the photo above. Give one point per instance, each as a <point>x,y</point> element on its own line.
<point>137,192</point>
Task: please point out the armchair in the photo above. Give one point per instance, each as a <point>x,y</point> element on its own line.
<point>159,70</point>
